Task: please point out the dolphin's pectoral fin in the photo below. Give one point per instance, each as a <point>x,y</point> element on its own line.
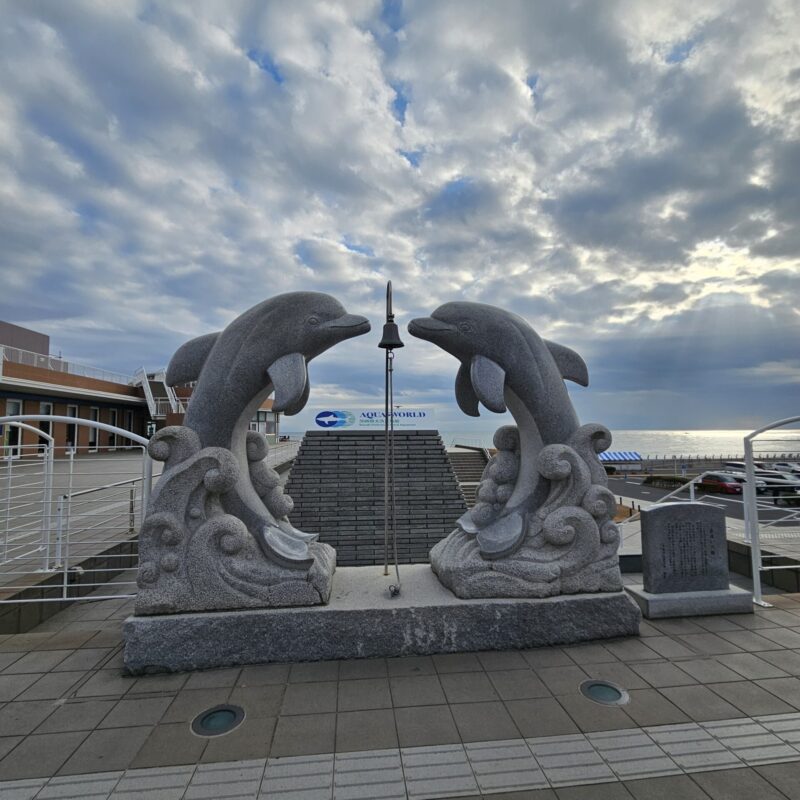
<point>571,366</point>
<point>297,407</point>
<point>289,376</point>
<point>502,537</point>
<point>188,360</point>
<point>488,380</point>
<point>466,523</point>
<point>283,548</point>
<point>465,395</point>
<point>287,527</point>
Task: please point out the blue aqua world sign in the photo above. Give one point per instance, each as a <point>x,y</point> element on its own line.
<point>373,418</point>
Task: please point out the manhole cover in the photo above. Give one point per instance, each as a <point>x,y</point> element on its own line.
<point>218,720</point>
<point>605,693</point>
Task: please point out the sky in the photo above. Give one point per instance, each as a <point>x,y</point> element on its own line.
<point>624,175</point>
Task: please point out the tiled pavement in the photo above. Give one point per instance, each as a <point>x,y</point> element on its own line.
<point>714,712</point>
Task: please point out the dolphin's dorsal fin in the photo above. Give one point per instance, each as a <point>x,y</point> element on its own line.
<point>188,360</point>
<point>571,366</point>
<point>488,380</point>
<point>289,376</point>
<point>465,395</point>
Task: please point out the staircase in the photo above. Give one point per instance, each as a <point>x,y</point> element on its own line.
<point>337,484</point>
<point>468,466</point>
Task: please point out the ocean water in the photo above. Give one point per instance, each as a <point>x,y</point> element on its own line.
<point>672,443</point>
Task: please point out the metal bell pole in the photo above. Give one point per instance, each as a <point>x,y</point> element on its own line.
<point>389,341</point>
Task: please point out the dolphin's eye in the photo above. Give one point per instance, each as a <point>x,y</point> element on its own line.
<point>466,327</point>
<point>312,320</point>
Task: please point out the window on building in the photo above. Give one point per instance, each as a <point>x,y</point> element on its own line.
<point>72,429</point>
<point>112,420</point>
<point>94,416</point>
<point>45,426</point>
<point>12,441</point>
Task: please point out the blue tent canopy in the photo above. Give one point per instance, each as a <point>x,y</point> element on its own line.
<point>620,455</point>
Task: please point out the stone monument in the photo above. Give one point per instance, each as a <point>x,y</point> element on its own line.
<point>685,563</point>
<point>543,525</point>
<point>216,534</point>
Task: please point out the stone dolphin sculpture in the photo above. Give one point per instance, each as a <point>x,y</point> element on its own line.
<point>265,349</point>
<point>506,365</point>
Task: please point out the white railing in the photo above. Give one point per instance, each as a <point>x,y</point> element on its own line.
<point>15,355</point>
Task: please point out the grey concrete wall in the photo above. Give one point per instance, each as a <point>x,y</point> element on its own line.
<point>24,338</point>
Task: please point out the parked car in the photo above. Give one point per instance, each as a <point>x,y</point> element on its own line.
<point>722,482</point>
<point>787,466</point>
<point>777,483</point>
<point>738,466</point>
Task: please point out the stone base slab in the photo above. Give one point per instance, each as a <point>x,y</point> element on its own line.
<point>363,621</point>
<point>692,604</point>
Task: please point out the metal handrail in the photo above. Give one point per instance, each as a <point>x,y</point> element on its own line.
<point>16,355</point>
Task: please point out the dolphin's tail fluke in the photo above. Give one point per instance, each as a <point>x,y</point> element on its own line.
<point>284,548</point>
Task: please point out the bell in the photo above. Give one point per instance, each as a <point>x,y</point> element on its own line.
<point>391,337</point>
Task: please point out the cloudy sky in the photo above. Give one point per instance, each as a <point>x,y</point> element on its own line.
<point>625,175</point>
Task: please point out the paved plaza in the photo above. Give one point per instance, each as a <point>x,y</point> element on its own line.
<point>714,712</point>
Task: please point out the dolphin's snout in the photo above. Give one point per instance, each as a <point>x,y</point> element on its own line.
<point>349,325</point>
<point>429,328</point>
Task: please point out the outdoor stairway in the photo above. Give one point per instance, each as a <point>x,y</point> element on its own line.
<point>468,466</point>
<point>337,484</point>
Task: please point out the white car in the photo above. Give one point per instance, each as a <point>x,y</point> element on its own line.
<point>787,466</point>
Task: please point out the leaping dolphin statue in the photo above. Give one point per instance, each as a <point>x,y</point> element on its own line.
<point>506,365</point>
<point>265,349</point>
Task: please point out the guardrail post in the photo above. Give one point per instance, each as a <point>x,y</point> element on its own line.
<point>132,510</point>
<point>752,521</point>
<point>9,462</point>
<point>59,527</point>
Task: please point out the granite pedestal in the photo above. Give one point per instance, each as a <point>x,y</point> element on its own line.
<point>362,621</point>
<point>692,604</point>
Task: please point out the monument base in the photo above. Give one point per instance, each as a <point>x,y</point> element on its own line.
<point>692,604</point>
<point>363,621</point>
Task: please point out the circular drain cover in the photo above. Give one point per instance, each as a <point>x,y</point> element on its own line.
<point>604,692</point>
<point>218,720</point>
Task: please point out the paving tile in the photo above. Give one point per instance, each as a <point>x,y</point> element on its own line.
<point>23,716</point>
<point>37,661</point>
<point>787,689</point>
<point>309,698</point>
<point>632,649</point>
<point>39,756</point>
<point>750,698</point>
<point>52,686</point>
<point>76,715</point>
<point>717,623</point>
<point>592,653</point>
<point>7,744</point>
<point>632,754</point>
<point>251,740</point>
<point>618,673</point>
<point>736,784</point>
<point>603,791</point>
<point>667,787</point>
<point>365,730</point>
<point>591,716</point>
<point>650,707</point>
<point>662,673</point>
<point>456,662</point>
<point>410,666</point>
<point>157,684</point>
<point>307,777</point>
<point>417,690</point>
<point>213,678</point>
<point>785,726</point>
<point>700,703</point>
<point>24,642</point>
<point>750,741</point>
<point>163,783</point>
<point>708,644</point>
<point>437,772</point>
<point>239,781</point>
<point>668,647</point>
<point>69,640</point>
<point>358,695</point>
<point>114,748</point>
<point>258,701</point>
<point>12,686</point>
<point>314,672</point>
<point>753,621</point>
<point>506,659</point>
<point>106,683</point>
<point>7,659</point>
<point>264,674</point>
<point>677,626</point>
<point>484,722</point>
<point>504,766</point>
<point>517,684</point>
<point>139,711</point>
<point>708,670</point>
<point>419,726</point>
<point>782,636</point>
<point>751,666</point>
<point>376,775</point>
<point>542,657</point>
<point>362,668</point>
<point>97,786</point>
<point>562,680</point>
<point>467,687</point>
<point>186,705</point>
<point>84,659</point>
<point>21,790</point>
<point>541,717</point>
<point>692,748</point>
<point>570,760</point>
<point>752,641</point>
<point>787,660</point>
<point>784,777</point>
<point>304,734</point>
<point>169,745</point>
